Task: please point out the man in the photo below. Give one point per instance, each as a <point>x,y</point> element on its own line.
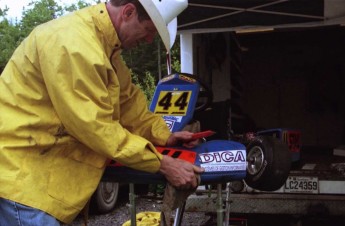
<point>68,105</point>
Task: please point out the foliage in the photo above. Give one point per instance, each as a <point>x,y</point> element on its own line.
<point>175,56</point>
<point>40,12</point>
<point>3,12</point>
<point>9,37</point>
<point>152,58</point>
<point>80,4</point>
<point>145,58</point>
<point>147,84</point>
<point>37,12</point>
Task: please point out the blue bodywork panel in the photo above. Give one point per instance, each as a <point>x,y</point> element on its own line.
<point>222,160</point>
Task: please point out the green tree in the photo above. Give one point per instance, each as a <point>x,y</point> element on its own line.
<point>152,58</point>
<point>148,85</point>
<point>144,58</point>
<point>9,38</point>
<point>36,13</point>
<point>3,12</point>
<point>79,5</point>
<point>175,56</point>
<point>40,12</point>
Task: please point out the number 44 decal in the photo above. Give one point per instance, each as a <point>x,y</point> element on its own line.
<point>173,102</point>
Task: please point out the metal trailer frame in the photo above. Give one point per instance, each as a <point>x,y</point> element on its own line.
<point>265,203</point>
<point>329,198</point>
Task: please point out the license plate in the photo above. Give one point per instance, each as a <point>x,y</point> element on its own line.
<point>302,185</point>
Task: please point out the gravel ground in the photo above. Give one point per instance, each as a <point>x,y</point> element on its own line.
<point>121,213</point>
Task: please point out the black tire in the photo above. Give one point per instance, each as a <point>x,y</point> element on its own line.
<point>105,197</point>
<point>268,163</point>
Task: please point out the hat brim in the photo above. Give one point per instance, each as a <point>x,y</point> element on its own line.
<point>166,32</point>
<point>172,30</point>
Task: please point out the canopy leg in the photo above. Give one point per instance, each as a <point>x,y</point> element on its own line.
<point>179,215</point>
<point>132,207</point>
<point>220,210</point>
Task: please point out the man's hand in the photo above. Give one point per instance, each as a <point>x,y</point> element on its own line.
<point>183,137</point>
<point>179,173</point>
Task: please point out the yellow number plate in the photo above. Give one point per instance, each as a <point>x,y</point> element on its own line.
<point>173,103</point>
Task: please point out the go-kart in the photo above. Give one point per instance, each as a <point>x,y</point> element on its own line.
<point>263,162</point>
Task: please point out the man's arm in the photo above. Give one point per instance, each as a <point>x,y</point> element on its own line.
<point>85,93</point>
<point>180,173</point>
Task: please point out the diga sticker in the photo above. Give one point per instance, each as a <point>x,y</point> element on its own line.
<point>234,160</point>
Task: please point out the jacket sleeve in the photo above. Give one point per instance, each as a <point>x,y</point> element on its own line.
<point>139,120</point>
<point>85,93</point>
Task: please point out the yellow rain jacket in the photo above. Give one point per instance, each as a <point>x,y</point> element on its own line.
<point>65,110</point>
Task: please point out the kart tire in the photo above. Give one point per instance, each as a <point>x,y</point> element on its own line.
<point>105,197</point>
<point>268,163</point>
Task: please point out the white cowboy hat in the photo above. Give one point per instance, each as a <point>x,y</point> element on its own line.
<point>163,14</point>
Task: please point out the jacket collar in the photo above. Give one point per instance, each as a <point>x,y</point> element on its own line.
<point>102,21</point>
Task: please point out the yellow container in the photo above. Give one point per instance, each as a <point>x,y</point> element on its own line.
<point>146,219</point>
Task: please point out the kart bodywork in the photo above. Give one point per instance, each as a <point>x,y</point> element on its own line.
<point>263,162</point>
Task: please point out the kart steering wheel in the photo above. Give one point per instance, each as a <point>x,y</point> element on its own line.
<point>205,96</point>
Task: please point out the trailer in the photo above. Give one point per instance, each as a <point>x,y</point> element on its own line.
<point>316,185</point>
<point>273,68</point>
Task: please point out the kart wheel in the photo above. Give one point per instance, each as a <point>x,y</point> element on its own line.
<point>105,197</point>
<point>268,163</point>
